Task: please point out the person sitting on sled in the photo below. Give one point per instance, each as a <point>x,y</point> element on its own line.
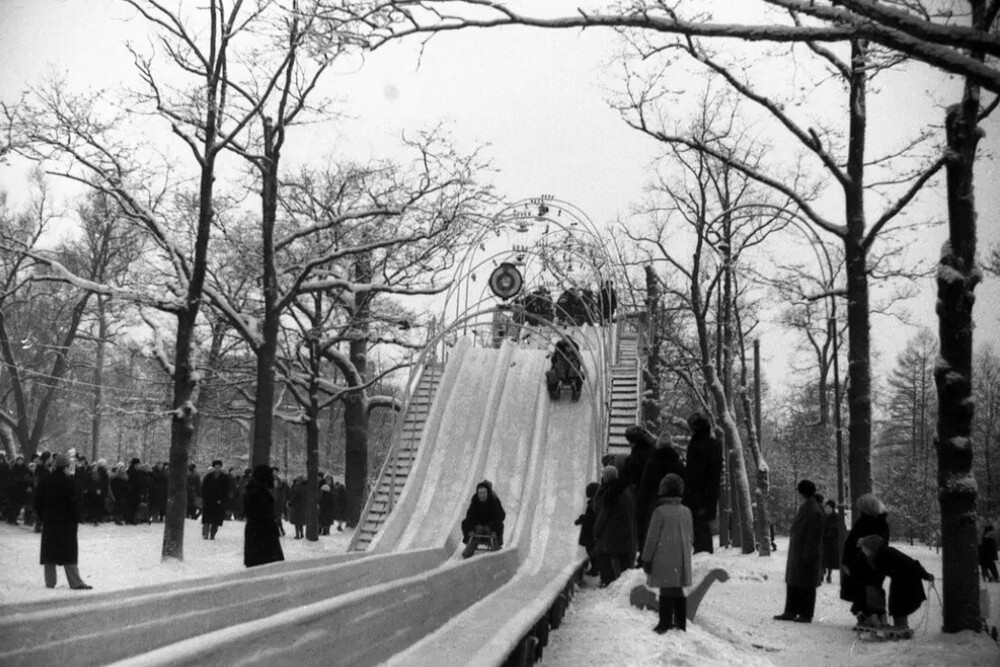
<point>567,366</point>
<point>484,518</point>
<point>906,590</point>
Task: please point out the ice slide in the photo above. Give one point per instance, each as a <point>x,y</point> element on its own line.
<point>410,598</point>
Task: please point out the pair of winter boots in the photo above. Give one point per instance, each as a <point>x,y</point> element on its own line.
<point>673,614</point>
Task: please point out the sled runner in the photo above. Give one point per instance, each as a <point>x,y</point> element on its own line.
<point>480,542</point>
<point>883,634</point>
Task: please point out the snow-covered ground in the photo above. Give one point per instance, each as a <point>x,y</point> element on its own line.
<point>120,557</point>
<point>733,626</point>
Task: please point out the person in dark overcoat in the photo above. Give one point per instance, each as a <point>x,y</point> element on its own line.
<point>214,490</point>
<point>326,505</point>
<point>297,506</point>
<point>859,584</point>
<point>261,540</point>
<point>987,553</point>
<point>804,567</point>
<point>58,506</point>
<point>484,516</point>
<point>664,460</point>
<point>118,485</point>
<point>280,500</point>
<point>906,577</point>
<point>193,492</point>
<point>16,492</point>
<point>702,478</point>
<point>642,444</point>
<point>586,522</point>
<point>97,491</point>
<point>833,529</point>
<point>340,509</point>
<point>615,533</point>
<point>158,492</point>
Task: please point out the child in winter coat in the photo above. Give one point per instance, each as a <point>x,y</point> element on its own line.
<point>906,590</point>
<point>666,556</point>
<point>586,523</point>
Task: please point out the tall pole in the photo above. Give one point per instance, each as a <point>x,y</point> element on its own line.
<point>836,409</point>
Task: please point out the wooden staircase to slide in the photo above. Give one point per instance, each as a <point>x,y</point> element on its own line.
<point>624,392</point>
<point>397,468</point>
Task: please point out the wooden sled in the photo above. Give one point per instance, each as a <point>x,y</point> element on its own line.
<point>883,634</point>
<point>644,597</point>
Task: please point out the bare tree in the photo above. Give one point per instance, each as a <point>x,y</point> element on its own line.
<point>69,133</point>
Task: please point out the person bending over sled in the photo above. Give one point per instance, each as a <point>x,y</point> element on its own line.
<point>483,521</point>
<point>906,590</point>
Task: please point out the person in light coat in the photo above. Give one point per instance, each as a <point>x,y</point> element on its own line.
<point>666,555</point>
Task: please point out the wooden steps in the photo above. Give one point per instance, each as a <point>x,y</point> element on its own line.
<point>397,467</point>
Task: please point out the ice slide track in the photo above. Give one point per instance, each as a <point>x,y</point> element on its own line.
<point>364,608</point>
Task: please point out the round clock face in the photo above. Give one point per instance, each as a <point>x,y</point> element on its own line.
<point>506,281</point>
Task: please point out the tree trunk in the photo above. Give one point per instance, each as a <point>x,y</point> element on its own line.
<point>263,409</point>
<point>185,379</point>
<point>355,402</point>
<point>957,278</point>
<point>763,481</point>
<point>858,312</point>
<point>651,416</point>
<point>95,423</point>
<point>312,465</point>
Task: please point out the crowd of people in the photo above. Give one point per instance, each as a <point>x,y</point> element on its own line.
<point>654,510</point>
<point>54,493</point>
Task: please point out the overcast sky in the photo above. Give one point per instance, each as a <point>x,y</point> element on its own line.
<point>539,100</point>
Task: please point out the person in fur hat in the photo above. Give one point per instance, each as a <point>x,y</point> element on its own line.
<point>666,555</point>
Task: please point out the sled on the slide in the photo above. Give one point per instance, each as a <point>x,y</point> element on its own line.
<point>644,597</point>
<point>566,370</point>
<point>480,542</point>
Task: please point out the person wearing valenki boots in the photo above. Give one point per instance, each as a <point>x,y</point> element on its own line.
<point>666,555</point>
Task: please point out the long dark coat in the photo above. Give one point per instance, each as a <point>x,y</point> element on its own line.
<point>118,483</point>
<point>297,504</point>
<point>339,502</point>
<point>832,530</point>
<point>615,529</point>
<point>703,474</point>
<point>59,510</point>
<point>326,505</point>
<point>663,461</point>
<point>643,443</point>
<point>158,491</point>
<point>906,575</point>
<point>852,586</point>
<point>261,539</point>
<point>193,488</point>
<point>489,513</point>
<point>214,488</point>
<point>804,568</point>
